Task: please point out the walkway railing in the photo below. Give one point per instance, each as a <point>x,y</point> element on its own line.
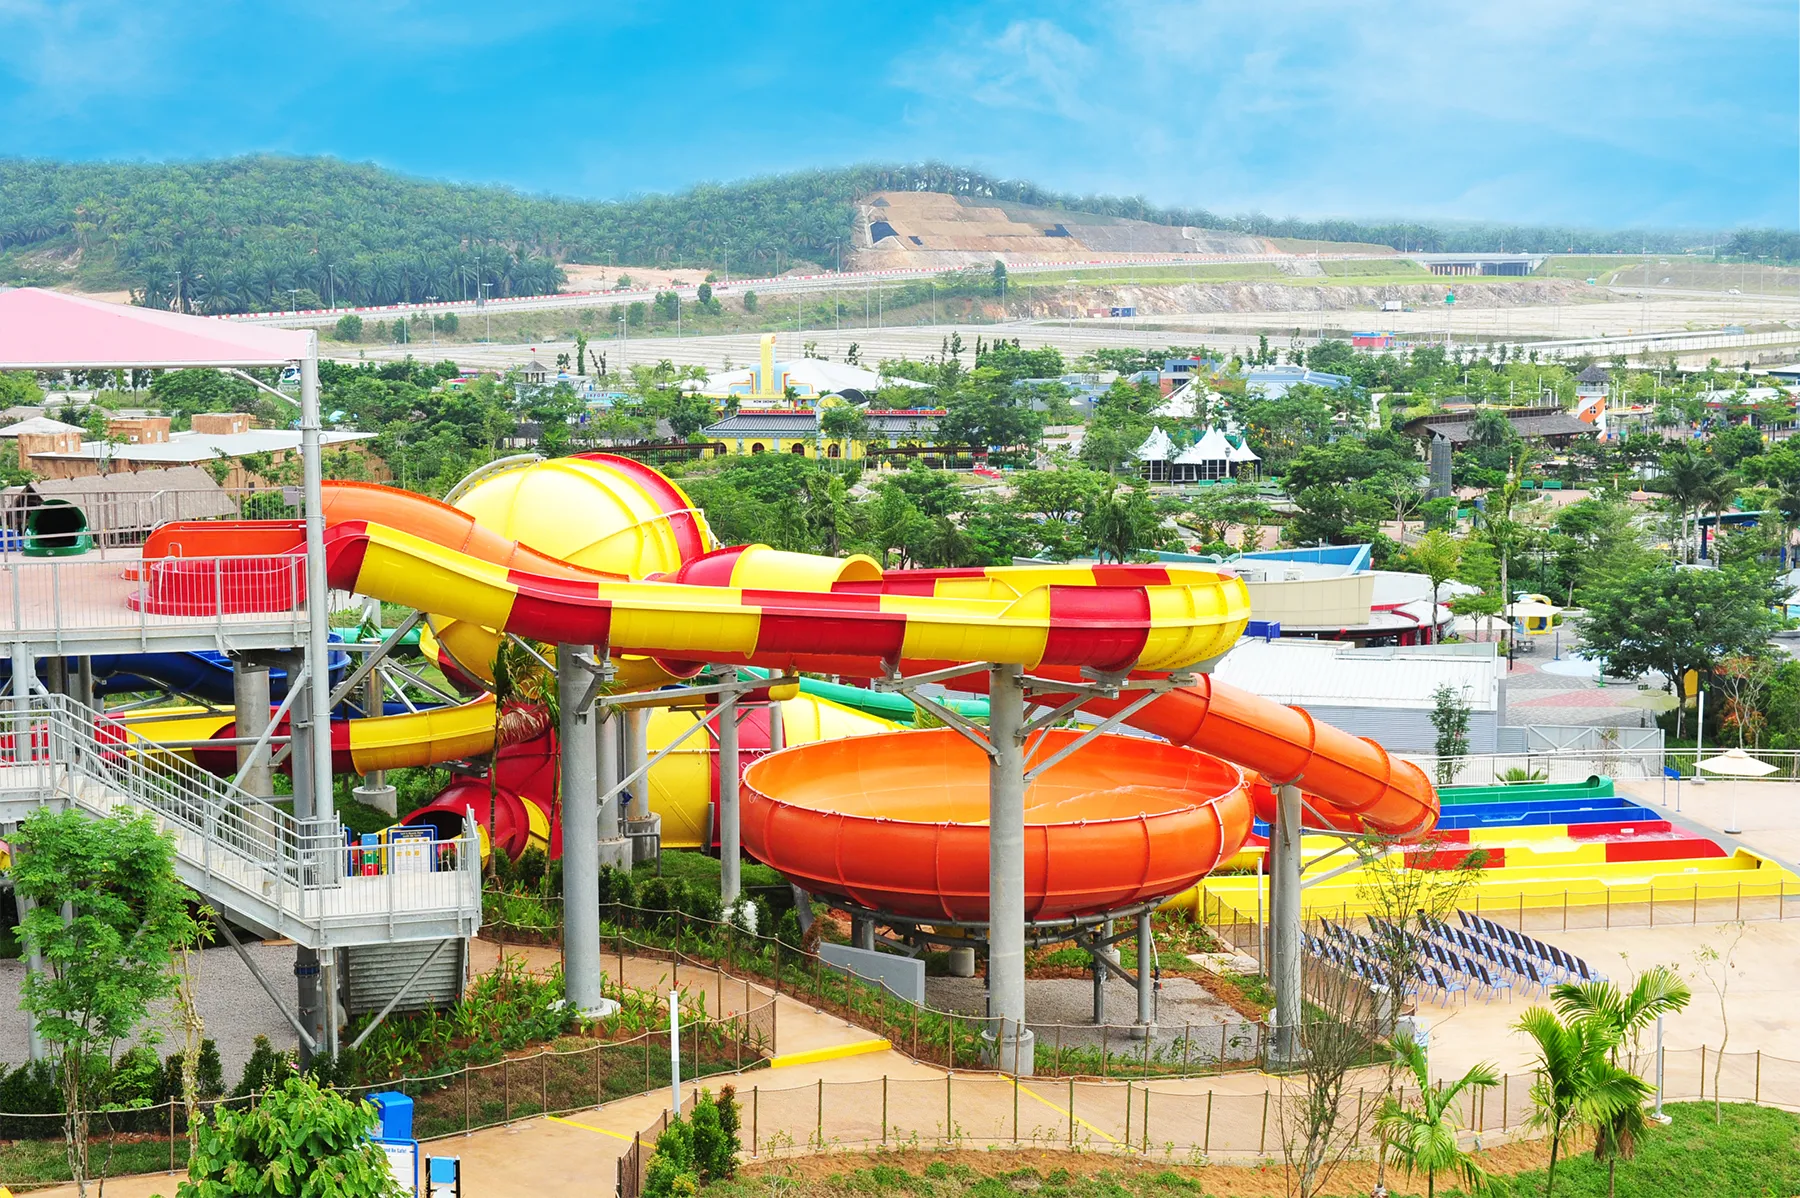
<point>79,600</point>
<point>249,856</point>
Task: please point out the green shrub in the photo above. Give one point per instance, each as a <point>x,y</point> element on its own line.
<point>266,1069</point>
<point>673,1171</point>
<point>501,865</point>
<point>715,1138</point>
<point>300,1140</point>
<point>136,1078</point>
<point>209,1077</point>
<point>528,871</point>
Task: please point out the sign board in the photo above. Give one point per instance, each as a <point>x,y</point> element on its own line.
<point>403,1162</point>
<point>412,850</point>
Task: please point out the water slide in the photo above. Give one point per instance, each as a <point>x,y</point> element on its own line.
<point>654,591</point>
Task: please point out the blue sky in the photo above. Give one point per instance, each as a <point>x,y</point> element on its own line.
<point>1632,112</point>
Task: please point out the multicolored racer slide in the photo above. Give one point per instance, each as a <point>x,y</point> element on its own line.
<point>651,587</point>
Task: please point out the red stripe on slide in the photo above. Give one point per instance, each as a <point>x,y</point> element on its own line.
<point>567,611</point>
<point>1662,850</point>
<point>1130,576</point>
<point>1453,859</point>
<point>797,630</point>
<point>710,570</point>
<point>1105,627</point>
<point>770,600</point>
<point>345,547</point>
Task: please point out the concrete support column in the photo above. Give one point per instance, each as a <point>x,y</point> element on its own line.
<point>730,842</point>
<point>84,681</point>
<point>250,699</point>
<point>1146,977</point>
<point>580,816</point>
<point>862,933</point>
<point>614,851</point>
<point>777,727</point>
<point>57,669</point>
<point>1284,933</point>
<point>1012,1046</point>
<point>374,791</point>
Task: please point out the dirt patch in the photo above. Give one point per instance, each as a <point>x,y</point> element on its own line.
<point>1223,1181</point>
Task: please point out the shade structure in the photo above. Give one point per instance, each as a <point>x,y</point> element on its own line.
<point>48,330</point>
<point>1738,764</point>
<point>898,823</point>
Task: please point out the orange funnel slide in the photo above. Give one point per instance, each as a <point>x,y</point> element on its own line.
<point>898,822</point>
<point>1351,783</point>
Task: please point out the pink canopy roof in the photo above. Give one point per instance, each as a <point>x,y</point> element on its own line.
<point>48,330</point>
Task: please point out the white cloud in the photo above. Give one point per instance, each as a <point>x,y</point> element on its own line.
<point>1481,110</point>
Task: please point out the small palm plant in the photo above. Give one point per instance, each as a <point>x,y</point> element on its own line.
<point>524,708</point>
<point>1657,991</point>
<point>1421,1137</point>
<point>1579,1085</point>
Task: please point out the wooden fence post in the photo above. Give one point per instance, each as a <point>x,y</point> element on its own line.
<point>819,1124</point>
<point>1206,1137</point>
<point>755,1110</point>
<point>1071,1112</point>
<point>1703,1071</point>
<point>884,1108</point>
<point>1262,1143</point>
<point>1128,1112</point>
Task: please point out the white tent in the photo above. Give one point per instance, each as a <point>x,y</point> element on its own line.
<point>1155,453</point>
<point>1183,403</point>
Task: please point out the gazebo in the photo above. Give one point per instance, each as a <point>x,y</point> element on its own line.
<point>1210,459</point>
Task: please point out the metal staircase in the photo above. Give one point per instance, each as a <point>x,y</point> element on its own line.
<point>255,863</point>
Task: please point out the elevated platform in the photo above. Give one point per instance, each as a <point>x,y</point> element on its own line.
<point>96,604</point>
<point>260,866</point>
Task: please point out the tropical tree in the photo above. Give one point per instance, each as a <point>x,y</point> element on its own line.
<point>1578,1085</point>
<point>106,915</point>
<point>1421,1136</point>
<point>1656,992</point>
<point>1437,556</point>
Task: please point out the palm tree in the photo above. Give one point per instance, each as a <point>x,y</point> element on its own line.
<point>1658,991</point>
<point>1692,481</point>
<point>1423,1138</point>
<point>1577,1085</point>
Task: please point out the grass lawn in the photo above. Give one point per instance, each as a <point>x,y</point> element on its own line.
<point>1756,1152</point>
<point>698,869</point>
<point>40,1162</point>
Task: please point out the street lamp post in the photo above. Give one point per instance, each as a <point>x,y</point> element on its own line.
<point>489,339</point>
<point>293,297</point>
<point>432,299</point>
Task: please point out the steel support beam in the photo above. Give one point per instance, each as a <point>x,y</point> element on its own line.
<point>637,752</point>
<point>1284,845</point>
<point>581,848</point>
<point>1146,977</point>
<point>614,851</point>
<point>1011,1045</point>
<point>24,672</point>
<point>730,839</point>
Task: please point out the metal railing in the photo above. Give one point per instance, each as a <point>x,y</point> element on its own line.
<point>122,519</point>
<point>78,599</point>
<point>1574,765</point>
<point>243,852</point>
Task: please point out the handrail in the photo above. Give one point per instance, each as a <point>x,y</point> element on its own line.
<point>239,841</point>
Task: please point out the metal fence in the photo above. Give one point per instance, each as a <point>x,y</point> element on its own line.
<point>1573,908</point>
<point>122,518</point>
<point>548,1082</point>
<point>948,1038</point>
<point>1165,1119</point>
<point>1622,761</point>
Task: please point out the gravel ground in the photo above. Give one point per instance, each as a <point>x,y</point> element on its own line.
<point>232,1003</point>
<point>1184,1008</point>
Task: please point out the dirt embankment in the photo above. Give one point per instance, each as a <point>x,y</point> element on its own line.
<point>1175,298</point>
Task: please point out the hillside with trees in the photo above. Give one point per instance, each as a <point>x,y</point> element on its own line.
<point>265,232</point>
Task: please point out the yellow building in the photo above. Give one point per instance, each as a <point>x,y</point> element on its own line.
<point>796,430</point>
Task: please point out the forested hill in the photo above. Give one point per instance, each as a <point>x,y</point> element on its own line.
<point>245,232</point>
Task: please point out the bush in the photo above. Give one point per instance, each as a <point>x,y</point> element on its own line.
<point>266,1069</point>
<point>502,865</point>
<point>528,872</point>
<point>349,327</point>
<point>209,1077</point>
<point>137,1078</point>
<point>299,1140</point>
<point>715,1136</point>
<point>672,1171</point>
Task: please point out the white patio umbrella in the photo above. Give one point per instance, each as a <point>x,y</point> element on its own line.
<point>1737,764</point>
